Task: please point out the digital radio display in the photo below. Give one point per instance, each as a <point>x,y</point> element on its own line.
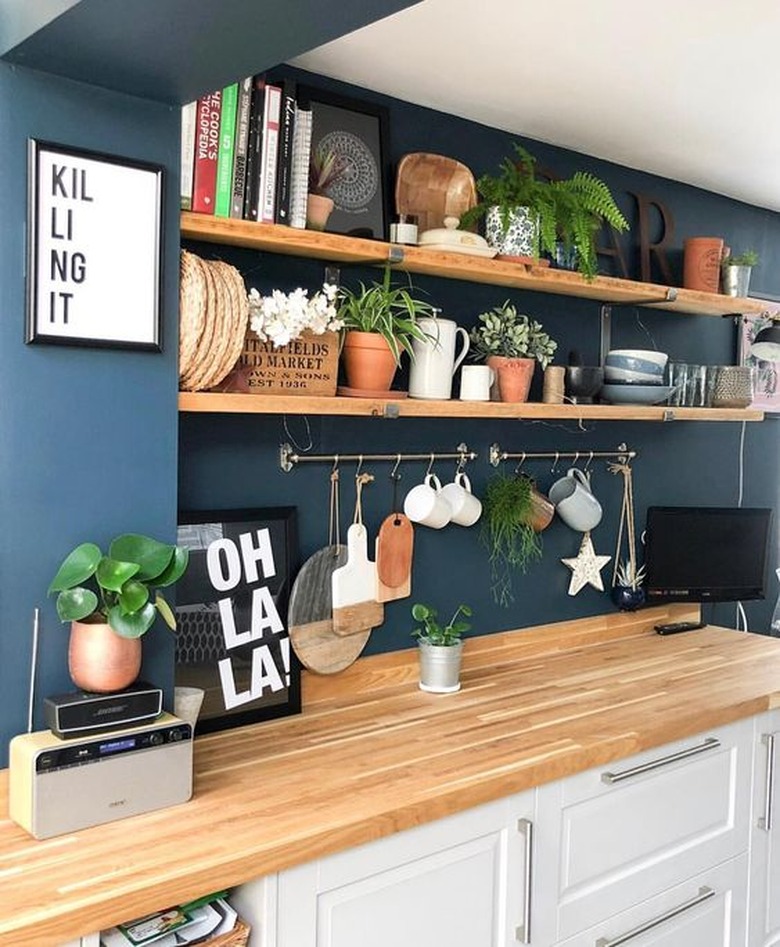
<point>116,746</point>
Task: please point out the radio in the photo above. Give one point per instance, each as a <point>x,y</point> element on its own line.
<point>81,714</point>
<point>56,787</point>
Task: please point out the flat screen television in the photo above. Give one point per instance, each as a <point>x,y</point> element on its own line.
<point>706,554</point>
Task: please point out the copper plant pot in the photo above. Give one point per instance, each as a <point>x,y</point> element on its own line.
<point>318,211</point>
<point>100,660</point>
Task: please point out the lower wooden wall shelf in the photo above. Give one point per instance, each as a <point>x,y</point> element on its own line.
<point>210,402</point>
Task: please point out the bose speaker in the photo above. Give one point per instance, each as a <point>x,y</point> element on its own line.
<point>80,713</point>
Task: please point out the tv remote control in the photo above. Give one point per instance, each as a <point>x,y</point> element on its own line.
<point>675,627</point>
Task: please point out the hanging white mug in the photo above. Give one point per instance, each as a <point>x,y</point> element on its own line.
<point>433,360</point>
<point>426,504</point>
<point>466,508</point>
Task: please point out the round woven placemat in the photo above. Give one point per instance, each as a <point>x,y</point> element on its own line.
<point>192,310</point>
<point>235,328</point>
<point>202,364</point>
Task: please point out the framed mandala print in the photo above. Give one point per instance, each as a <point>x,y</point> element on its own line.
<point>356,133</point>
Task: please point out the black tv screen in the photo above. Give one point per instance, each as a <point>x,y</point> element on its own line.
<point>706,554</point>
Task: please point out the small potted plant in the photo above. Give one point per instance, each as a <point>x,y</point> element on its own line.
<point>440,648</point>
<point>526,216</point>
<point>513,515</point>
<point>518,208</point>
<point>326,167</point>
<point>511,343</point>
<point>735,272</point>
<point>627,592</point>
<point>108,601</point>
<point>379,324</point>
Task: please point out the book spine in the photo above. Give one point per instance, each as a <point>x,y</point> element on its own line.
<point>227,139</point>
<point>189,116</point>
<point>284,161</point>
<point>271,115</point>
<point>299,184</point>
<point>206,152</point>
<point>254,148</point>
<point>241,148</point>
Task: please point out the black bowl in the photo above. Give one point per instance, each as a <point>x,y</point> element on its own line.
<point>583,383</point>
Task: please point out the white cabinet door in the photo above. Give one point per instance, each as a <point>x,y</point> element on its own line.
<point>705,911</point>
<point>458,882</point>
<point>764,918</point>
<point>618,835</point>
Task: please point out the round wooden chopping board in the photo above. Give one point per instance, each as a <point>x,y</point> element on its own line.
<point>310,616</point>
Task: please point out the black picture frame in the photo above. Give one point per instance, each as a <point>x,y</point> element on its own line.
<point>94,252</point>
<point>358,130</point>
<point>231,615</point>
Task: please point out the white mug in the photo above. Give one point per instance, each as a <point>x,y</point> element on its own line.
<point>466,508</point>
<point>476,382</point>
<point>425,504</point>
<point>433,360</point>
<point>574,502</point>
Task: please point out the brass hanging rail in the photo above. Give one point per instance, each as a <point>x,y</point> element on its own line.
<point>288,458</point>
<point>622,455</point>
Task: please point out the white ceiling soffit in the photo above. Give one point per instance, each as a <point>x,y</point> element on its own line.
<point>687,89</point>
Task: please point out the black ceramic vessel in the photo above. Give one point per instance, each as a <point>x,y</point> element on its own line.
<point>583,383</point>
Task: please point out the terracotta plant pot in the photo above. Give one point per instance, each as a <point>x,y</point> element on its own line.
<point>100,660</point>
<point>513,377</point>
<point>318,211</point>
<point>368,361</point>
<point>702,258</point>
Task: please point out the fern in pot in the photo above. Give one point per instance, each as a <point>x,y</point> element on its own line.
<point>511,343</point>
<point>440,647</point>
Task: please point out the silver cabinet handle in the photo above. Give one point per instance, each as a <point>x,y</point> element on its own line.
<point>710,743</point>
<point>704,895</point>
<point>765,821</point>
<point>526,828</point>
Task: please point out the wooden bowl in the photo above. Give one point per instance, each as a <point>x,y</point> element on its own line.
<point>433,187</point>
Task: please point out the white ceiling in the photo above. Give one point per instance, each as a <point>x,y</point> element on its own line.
<point>687,89</point>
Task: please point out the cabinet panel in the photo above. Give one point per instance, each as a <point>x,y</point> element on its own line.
<point>622,842</point>
<point>458,881</point>
<point>706,911</point>
<point>764,921</point>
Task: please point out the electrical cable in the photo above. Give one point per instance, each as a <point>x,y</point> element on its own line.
<point>741,616</point>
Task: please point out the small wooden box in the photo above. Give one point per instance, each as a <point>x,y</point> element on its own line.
<point>307,366</point>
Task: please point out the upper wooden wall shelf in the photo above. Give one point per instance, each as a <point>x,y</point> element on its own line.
<point>215,402</point>
<point>327,246</point>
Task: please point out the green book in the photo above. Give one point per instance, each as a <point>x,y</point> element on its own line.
<point>227,141</point>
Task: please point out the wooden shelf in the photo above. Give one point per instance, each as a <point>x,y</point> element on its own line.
<point>276,238</point>
<point>215,402</point>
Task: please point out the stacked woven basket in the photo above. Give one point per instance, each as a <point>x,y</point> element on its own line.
<point>213,318</point>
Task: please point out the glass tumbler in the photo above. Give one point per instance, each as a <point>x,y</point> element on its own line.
<point>677,378</point>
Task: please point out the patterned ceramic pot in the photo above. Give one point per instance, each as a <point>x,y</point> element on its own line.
<point>520,239</point>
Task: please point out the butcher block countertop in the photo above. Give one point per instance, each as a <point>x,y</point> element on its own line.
<point>372,754</point>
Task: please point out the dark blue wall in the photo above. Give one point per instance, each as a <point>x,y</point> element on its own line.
<point>88,443</point>
<point>233,461</point>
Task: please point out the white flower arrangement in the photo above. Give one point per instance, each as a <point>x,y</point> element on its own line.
<point>281,317</point>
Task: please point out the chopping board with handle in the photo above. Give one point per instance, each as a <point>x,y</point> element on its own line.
<point>355,607</point>
<point>310,616</point>
<point>394,548</point>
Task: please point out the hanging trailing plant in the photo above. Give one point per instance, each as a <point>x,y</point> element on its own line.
<point>507,531</point>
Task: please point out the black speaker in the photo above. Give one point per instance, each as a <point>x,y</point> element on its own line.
<point>80,713</point>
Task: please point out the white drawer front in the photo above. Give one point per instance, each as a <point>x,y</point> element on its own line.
<point>705,911</point>
<point>623,842</point>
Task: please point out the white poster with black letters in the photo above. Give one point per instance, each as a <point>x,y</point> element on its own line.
<point>94,243</point>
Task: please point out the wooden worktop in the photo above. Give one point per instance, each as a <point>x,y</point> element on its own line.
<point>372,754</point>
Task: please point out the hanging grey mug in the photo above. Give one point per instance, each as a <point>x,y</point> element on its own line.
<point>574,502</point>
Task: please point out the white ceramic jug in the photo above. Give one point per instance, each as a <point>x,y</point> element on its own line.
<point>434,361</point>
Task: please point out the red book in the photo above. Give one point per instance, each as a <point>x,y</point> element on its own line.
<point>206,152</point>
